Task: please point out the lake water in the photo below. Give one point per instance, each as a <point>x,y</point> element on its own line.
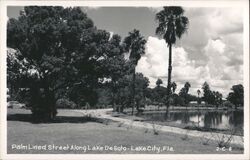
<point>209,119</point>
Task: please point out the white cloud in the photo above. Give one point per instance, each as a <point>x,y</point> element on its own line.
<point>224,21</point>
<point>155,64</point>
<point>220,76</point>
<point>206,24</point>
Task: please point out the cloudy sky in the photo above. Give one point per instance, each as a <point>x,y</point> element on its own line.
<point>211,50</point>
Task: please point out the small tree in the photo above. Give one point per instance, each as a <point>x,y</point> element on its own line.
<point>184,92</point>
<point>173,86</point>
<point>141,84</point>
<point>218,98</point>
<point>158,82</point>
<point>198,93</point>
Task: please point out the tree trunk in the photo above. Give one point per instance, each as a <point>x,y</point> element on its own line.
<point>169,77</point>
<point>113,103</point>
<point>113,97</point>
<point>51,102</point>
<point>133,92</point>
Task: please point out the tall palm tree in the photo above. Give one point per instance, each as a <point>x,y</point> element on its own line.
<point>134,44</point>
<point>172,24</point>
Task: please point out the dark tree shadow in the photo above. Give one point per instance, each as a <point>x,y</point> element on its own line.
<point>58,119</point>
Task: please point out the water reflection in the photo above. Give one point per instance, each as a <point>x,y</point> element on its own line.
<point>208,119</point>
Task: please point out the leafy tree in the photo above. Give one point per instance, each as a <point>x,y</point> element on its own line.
<point>187,86</point>
<point>211,97</point>
<point>104,96</point>
<point>172,24</point>
<point>184,92</point>
<point>134,44</point>
<point>158,82</point>
<point>159,94</point>
<point>55,41</point>
<point>177,100</point>
<point>141,84</point>
<point>15,71</point>
<point>217,98</point>
<point>124,97</point>
<point>104,63</point>
<point>208,94</point>
<point>228,104</point>
<point>114,64</point>
<point>149,94</point>
<point>237,95</point>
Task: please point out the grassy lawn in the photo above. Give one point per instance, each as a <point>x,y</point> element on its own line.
<point>70,129</point>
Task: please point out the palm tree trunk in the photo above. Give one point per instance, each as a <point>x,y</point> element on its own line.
<point>169,76</point>
<point>133,92</point>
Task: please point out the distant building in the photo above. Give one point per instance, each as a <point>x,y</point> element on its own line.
<point>196,103</point>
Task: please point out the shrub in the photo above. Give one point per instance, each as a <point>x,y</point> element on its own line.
<point>156,129</point>
<point>185,136</point>
<point>205,139</point>
<point>65,103</point>
<point>228,104</point>
<point>120,124</point>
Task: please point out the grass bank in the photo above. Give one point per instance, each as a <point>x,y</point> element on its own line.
<point>93,134</point>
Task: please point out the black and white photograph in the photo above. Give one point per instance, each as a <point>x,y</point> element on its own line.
<point>136,80</point>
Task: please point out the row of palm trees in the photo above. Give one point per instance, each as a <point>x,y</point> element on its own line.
<point>172,24</point>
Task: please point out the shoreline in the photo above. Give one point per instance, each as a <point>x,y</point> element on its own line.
<point>103,113</point>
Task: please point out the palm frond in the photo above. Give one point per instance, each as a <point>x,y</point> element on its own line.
<point>160,30</point>
<point>172,23</point>
<point>181,26</point>
<point>135,44</point>
<point>176,10</point>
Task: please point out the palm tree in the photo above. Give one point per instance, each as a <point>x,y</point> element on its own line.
<point>198,92</point>
<point>172,25</point>
<point>173,86</point>
<point>218,98</point>
<point>158,82</point>
<point>134,44</point>
<point>186,87</point>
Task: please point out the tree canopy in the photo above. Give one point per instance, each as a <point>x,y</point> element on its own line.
<point>65,49</point>
<point>237,95</point>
